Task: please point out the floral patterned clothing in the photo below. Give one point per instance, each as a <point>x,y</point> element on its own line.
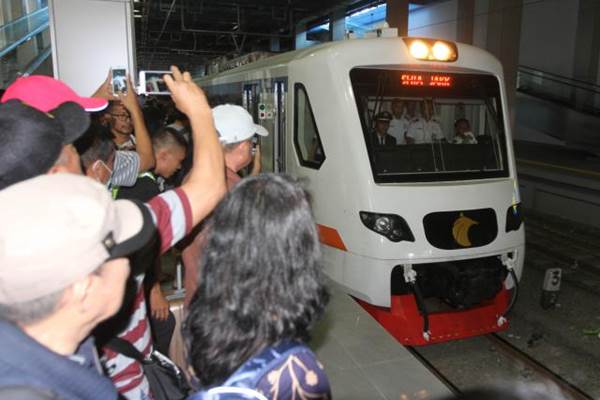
<point>288,371</point>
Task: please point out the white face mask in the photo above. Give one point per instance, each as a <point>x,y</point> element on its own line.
<point>110,173</point>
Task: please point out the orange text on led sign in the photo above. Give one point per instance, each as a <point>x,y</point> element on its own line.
<point>430,80</point>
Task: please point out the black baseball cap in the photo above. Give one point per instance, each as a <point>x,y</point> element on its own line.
<point>383,116</point>
<point>31,140</point>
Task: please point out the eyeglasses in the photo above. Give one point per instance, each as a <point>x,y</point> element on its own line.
<point>121,116</point>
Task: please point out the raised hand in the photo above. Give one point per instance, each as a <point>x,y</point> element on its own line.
<point>188,96</point>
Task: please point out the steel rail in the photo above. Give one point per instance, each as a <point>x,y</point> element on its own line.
<point>516,354</point>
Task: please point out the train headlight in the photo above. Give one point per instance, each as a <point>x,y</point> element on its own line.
<point>514,217</point>
<point>441,51</point>
<point>431,49</point>
<point>392,226</point>
<point>419,49</point>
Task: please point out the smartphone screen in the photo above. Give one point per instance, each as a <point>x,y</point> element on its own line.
<point>119,80</point>
<point>155,84</point>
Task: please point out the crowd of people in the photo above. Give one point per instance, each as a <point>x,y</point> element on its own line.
<point>93,190</point>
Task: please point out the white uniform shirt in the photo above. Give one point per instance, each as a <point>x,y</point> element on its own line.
<point>423,131</point>
<point>466,138</point>
<point>398,127</point>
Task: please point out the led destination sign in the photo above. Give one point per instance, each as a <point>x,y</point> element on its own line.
<point>433,80</point>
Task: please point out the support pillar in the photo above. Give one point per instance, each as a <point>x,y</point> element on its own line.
<point>464,24</point>
<point>503,37</point>
<point>301,40</point>
<point>397,15</point>
<point>586,63</point>
<point>337,25</point>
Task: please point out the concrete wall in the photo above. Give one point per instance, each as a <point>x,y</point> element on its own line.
<point>438,21</point>
<point>548,32</point>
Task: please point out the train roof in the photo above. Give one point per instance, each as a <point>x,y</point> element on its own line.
<point>470,58</point>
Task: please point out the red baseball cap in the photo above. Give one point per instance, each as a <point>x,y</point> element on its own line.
<point>46,93</point>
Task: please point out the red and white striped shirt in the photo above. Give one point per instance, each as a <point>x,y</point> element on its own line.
<point>172,216</point>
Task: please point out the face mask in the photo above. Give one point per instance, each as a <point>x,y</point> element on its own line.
<point>108,182</point>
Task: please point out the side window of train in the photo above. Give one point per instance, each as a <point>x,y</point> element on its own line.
<point>306,135</point>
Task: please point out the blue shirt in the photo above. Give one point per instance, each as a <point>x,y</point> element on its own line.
<point>25,362</point>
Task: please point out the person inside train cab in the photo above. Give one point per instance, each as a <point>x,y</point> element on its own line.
<point>381,137</point>
<point>426,129</point>
<point>463,133</point>
<point>261,291</point>
<point>237,131</point>
<point>399,124</point>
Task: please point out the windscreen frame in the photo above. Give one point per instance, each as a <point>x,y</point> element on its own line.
<point>491,85</point>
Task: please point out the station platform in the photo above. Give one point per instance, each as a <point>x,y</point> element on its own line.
<point>559,181</point>
<point>363,361</point>
<point>575,162</point>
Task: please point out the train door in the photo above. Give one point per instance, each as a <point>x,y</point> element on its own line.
<point>279,132</point>
<point>267,106</point>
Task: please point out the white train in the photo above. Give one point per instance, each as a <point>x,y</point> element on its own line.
<point>423,233</point>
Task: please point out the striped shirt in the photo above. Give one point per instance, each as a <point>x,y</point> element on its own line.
<point>172,215</point>
<point>126,168</point>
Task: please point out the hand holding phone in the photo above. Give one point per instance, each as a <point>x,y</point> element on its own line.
<point>152,82</point>
<point>119,80</point>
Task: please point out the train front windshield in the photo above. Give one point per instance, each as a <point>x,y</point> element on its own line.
<point>423,126</point>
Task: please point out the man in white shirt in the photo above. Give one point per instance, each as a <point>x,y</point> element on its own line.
<point>463,132</point>
<point>399,124</point>
<point>424,130</point>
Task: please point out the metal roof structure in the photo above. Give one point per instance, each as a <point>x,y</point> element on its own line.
<point>193,32</point>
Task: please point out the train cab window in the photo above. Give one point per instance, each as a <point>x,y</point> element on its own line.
<point>443,126</point>
<point>306,135</point>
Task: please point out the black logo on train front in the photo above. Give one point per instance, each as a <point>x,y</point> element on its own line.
<point>452,230</point>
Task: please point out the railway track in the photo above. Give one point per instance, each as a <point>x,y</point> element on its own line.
<point>541,370</point>
<point>514,355</point>
<point>572,244</point>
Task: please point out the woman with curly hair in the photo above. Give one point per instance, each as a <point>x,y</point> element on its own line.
<point>260,292</point>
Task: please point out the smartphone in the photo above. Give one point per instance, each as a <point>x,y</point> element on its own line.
<point>152,82</point>
<point>119,80</point>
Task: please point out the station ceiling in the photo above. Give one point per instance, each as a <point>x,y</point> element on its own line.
<point>194,32</point>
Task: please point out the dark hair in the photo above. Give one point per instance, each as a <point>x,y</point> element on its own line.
<point>95,144</point>
<point>462,120</point>
<point>260,279</point>
<point>167,137</point>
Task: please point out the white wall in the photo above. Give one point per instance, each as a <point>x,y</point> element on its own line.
<point>88,37</point>
<point>548,31</point>
<point>436,21</point>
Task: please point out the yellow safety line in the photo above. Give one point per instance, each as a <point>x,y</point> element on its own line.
<point>554,166</point>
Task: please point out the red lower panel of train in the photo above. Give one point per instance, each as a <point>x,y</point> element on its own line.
<point>404,321</point>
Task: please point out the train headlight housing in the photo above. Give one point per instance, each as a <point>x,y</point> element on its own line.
<point>431,49</point>
<point>514,217</point>
<point>392,226</point>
